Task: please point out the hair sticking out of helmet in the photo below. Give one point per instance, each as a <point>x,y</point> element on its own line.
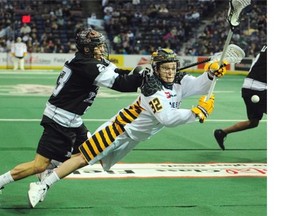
<point>88,39</point>
<point>162,56</point>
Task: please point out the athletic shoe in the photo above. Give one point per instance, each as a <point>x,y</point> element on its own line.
<point>220,136</point>
<point>44,174</point>
<point>37,193</point>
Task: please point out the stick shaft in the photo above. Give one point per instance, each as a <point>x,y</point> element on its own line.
<point>227,42</point>
<point>196,63</point>
<point>228,39</point>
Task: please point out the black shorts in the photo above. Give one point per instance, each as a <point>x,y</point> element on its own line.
<point>255,110</point>
<point>58,142</point>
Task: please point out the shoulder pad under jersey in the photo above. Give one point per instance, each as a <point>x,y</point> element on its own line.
<point>179,76</point>
<point>151,86</point>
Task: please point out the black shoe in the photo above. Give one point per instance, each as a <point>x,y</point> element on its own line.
<point>220,135</point>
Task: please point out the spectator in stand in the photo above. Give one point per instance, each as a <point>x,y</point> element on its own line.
<point>150,12</point>
<point>25,29</point>
<point>108,9</point>
<point>135,2</point>
<point>163,10</point>
<point>104,3</point>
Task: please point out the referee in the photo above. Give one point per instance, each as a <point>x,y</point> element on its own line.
<point>19,51</point>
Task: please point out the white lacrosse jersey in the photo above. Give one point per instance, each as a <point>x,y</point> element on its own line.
<point>159,106</point>
<point>19,49</point>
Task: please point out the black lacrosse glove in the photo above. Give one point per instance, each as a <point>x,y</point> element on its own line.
<point>145,73</point>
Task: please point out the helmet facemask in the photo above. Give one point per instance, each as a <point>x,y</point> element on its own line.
<point>165,64</point>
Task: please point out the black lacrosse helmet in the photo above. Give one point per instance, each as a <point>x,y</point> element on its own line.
<point>89,38</point>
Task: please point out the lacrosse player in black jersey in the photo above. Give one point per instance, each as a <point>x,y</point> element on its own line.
<point>75,91</point>
<point>157,106</point>
<point>255,85</point>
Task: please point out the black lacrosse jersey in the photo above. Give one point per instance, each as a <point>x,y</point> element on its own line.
<point>258,70</point>
<point>80,79</point>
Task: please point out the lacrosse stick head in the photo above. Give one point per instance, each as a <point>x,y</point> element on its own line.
<point>235,9</point>
<point>233,54</point>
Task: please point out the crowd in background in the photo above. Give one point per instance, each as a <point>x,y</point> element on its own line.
<point>189,27</point>
<point>250,35</point>
<point>197,27</point>
<point>51,29</point>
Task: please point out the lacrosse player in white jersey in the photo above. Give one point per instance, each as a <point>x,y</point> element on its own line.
<point>157,106</point>
<point>19,51</point>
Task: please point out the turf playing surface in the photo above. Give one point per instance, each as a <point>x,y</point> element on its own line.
<point>23,97</point>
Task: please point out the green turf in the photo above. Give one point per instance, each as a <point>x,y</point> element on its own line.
<point>193,143</point>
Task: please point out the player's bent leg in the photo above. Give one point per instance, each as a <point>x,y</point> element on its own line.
<point>38,165</point>
<point>38,190</point>
<point>42,163</point>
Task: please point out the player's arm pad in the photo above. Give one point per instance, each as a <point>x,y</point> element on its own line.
<point>121,71</point>
<point>204,108</point>
<point>136,70</point>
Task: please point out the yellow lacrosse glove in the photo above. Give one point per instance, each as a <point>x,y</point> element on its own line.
<point>214,69</point>
<point>204,108</point>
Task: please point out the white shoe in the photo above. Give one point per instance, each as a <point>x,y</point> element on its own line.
<point>44,174</point>
<point>36,193</point>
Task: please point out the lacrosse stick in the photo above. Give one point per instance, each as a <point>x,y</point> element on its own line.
<point>233,54</point>
<point>217,56</point>
<point>235,9</point>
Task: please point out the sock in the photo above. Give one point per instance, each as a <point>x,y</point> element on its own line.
<point>51,179</point>
<point>6,178</point>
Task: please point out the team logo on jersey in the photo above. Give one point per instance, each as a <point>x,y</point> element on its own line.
<point>169,95</point>
<point>91,97</point>
<point>175,104</point>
